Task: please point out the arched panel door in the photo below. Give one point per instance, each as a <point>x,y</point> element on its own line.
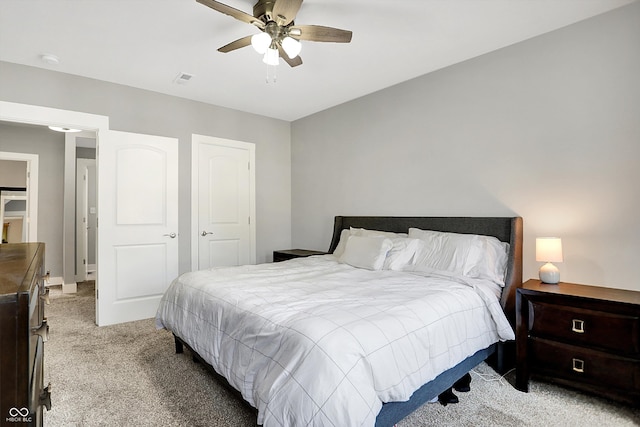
<point>137,224</point>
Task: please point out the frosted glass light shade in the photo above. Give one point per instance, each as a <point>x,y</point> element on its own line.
<point>271,57</point>
<point>292,47</point>
<point>261,42</point>
<point>63,129</point>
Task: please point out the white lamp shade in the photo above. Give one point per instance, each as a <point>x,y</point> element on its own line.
<point>292,47</point>
<point>549,249</point>
<point>271,57</point>
<point>261,42</point>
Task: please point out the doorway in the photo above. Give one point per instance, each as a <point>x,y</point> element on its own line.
<point>31,115</point>
<point>121,158</point>
<point>86,219</point>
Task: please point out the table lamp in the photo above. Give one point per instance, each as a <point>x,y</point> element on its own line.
<point>549,250</point>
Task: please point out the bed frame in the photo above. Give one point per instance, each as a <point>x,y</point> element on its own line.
<point>506,229</point>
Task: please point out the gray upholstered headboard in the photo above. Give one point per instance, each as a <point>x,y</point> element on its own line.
<point>506,229</point>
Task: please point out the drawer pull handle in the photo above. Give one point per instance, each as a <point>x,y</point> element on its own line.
<point>45,297</point>
<point>578,326</point>
<point>45,397</point>
<point>578,365</point>
<point>42,330</point>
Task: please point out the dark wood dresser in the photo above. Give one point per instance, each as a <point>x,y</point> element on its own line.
<point>23,331</point>
<point>585,337</point>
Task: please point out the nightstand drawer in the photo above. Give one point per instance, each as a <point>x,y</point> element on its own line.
<point>596,329</point>
<point>583,366</point>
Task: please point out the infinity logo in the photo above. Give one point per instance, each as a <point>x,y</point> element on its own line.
<point>14,412</point>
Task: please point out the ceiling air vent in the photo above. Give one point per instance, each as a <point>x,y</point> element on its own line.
<point>183,78</point>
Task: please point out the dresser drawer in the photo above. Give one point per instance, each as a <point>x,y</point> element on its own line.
<point>584,366</point>
<point>597,329</point>
<point>37,385</point>
<point>38,327</point>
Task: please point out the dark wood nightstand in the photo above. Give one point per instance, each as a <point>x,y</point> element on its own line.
<point>585,337</point>
<point>286,254</point>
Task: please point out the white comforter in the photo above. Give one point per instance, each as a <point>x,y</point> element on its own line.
<point>316,343</point>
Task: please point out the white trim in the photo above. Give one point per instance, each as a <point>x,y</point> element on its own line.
<point>45,116</point>
<point>53,281</point>
<point>211,140</point>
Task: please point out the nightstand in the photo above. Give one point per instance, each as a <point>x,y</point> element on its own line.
<point>286,254</point>
<point>585,337</point>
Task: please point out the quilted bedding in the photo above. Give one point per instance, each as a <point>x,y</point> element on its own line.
<point>314,342</point>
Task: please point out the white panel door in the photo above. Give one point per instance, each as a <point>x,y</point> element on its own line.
<point>226,235</point>
<point>137,224</point>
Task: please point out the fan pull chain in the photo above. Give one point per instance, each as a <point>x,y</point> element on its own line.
<point>275,77</point>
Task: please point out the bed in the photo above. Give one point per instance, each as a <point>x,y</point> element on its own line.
<point>360,336</point>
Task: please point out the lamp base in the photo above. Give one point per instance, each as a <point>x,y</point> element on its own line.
<point>549,273</point>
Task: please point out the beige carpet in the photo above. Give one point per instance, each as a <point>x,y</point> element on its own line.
<point>129,375</point>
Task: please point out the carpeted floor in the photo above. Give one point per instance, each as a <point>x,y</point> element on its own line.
<point>129,375</point>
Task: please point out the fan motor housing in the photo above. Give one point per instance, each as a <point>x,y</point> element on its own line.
<point>263,10</point>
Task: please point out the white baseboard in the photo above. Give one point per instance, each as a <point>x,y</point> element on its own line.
<point>69,288</point>
<point>53,281</point>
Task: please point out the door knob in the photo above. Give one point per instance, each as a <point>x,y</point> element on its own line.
<point>204,233</point>
<point>172,235</point>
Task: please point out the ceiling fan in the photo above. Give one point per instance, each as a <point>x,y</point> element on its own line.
<point>280,36</point>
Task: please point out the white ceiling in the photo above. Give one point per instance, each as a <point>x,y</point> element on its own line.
<point>147,43</point>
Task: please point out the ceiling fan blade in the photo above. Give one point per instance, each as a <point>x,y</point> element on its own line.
<point>318,33</point>
<point>292,62</point>
<point>233,12</point>
<point>285,11</point>
<point>243,42</point>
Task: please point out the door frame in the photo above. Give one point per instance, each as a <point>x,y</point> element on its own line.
<point>47,116</point>
<point>196,140</point>
<point>82,212</point>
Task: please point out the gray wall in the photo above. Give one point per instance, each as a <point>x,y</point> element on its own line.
<point>139,111</point>
<point>49,146</point>
<point>548,129</point>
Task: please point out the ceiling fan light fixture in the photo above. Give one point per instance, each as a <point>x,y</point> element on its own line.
<point>261,42</point>
<point>271,57</point>
<point>64,129</point>
<point>291,46</point>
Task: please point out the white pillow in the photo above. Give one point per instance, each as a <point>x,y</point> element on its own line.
<point>344,235</point>
<point>366,252</point>
<point>401,254</point>
<point>470,255</point>
<point>445,251</point>
<point>493,265</point>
